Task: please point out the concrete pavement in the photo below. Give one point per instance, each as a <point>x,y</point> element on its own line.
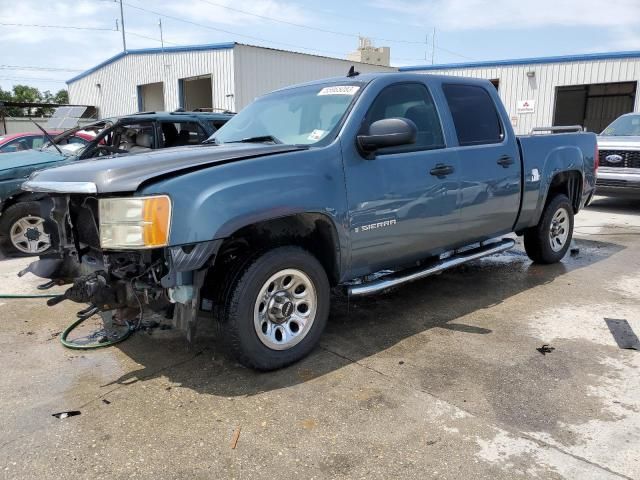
<point>439,379</point>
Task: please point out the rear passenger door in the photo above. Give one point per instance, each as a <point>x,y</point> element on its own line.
<point>489,160</point>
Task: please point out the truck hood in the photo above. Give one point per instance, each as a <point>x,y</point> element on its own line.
<point>624,143</point>
<point>126,173</point>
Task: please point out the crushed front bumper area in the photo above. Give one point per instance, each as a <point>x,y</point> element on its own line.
<point>166,281</point>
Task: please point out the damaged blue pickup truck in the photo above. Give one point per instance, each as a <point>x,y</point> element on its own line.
<point>353,185</point>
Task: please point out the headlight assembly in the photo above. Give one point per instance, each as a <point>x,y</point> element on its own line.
<point>134,222</point>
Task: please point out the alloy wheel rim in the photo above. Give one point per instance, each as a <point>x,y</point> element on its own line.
<point>559,231</point>
<point>285,309</point>
<point>28,235</point>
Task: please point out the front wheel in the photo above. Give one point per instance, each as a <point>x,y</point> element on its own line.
<point>23,230</point>
<point>276,308</point>
<point>549,241</point>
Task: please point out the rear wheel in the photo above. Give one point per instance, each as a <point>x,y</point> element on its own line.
<point>549,241</point>
<point>276,308</point>
<point>23,230</point>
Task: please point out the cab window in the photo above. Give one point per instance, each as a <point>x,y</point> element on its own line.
<point>474,114</point>
<point>176,134</point>
<point>134,137</point>
<point>216,124</point>
<point>413,102</point>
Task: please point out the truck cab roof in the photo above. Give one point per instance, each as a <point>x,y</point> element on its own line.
<point>169,116</point>
<point>390,77</point>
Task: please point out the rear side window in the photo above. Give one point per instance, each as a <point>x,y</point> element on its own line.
<point>411,101</point>
<point>474,114</point>
<point>178,134</point>
<point>216,124</point>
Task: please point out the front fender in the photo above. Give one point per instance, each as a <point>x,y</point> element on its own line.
<point>214,202</point>
<point>9,188</point>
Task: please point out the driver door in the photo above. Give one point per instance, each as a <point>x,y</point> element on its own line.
<point>400,210</point>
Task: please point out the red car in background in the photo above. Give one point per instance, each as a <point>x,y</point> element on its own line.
<point>16,142</point>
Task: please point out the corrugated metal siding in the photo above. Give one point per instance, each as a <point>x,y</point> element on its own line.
<point>261,70</point>
<point>118,81</point>
<point>515,85</point>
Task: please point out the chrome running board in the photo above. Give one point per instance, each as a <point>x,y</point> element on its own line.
<point>398,278</point>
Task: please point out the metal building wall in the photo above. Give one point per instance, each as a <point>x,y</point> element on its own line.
<point>261,70</point>
<point>117,94</point>
<point>515,85</point>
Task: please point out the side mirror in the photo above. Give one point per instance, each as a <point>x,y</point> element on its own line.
<point>388,132</point>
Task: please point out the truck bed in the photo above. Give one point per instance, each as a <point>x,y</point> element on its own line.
<point>542,156</point>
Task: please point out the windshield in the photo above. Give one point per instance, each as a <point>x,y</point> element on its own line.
<point>70,144</point>
<point>70,148</point>
<point>625,126</point>
<point>298,116</point>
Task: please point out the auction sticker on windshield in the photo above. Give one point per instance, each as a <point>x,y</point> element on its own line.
<point>339,90</point>
<point>316,135</point>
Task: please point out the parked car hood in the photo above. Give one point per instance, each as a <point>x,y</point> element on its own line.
<point>611,141</point>
<point>126,173</point>
<point>17,165</point>
<point>9,161</point>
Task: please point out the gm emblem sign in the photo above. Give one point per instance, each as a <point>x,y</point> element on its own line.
<point>614,159</point>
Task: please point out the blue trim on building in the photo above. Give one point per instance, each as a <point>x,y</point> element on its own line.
<point>149,51</point>
<point>526,61</point>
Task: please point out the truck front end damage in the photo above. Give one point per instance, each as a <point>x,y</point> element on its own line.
<point>114,252</point>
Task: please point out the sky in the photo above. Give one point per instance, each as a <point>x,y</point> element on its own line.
<point>465,30</point>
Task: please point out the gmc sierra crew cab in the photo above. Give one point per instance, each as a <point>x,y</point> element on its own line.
<point>355,184</point>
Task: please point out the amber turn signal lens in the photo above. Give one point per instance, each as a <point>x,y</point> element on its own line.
<point>156,218</point>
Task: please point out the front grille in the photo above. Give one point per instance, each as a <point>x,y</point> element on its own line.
<point>630,158</point>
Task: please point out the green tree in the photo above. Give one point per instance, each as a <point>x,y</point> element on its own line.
<point>7,96</point>
<point>27,94</point>
<point>62,96</point>
<point>4,95</point>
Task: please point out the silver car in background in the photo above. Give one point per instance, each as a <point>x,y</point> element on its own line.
<point>619,146</point>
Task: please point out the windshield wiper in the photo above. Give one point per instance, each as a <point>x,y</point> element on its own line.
<point>48,137</point>
<point>258,139</point>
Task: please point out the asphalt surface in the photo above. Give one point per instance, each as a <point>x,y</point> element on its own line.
<point>440,379</point>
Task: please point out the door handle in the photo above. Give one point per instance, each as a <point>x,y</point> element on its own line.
<point>441,170</point>
<point>505,161</point>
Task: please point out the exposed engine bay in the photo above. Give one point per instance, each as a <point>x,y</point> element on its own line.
<point>127,283</point>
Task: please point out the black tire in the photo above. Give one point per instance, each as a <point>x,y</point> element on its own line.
<point>237,316</point>
<point>537,242</point>
<point>10,216</point>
